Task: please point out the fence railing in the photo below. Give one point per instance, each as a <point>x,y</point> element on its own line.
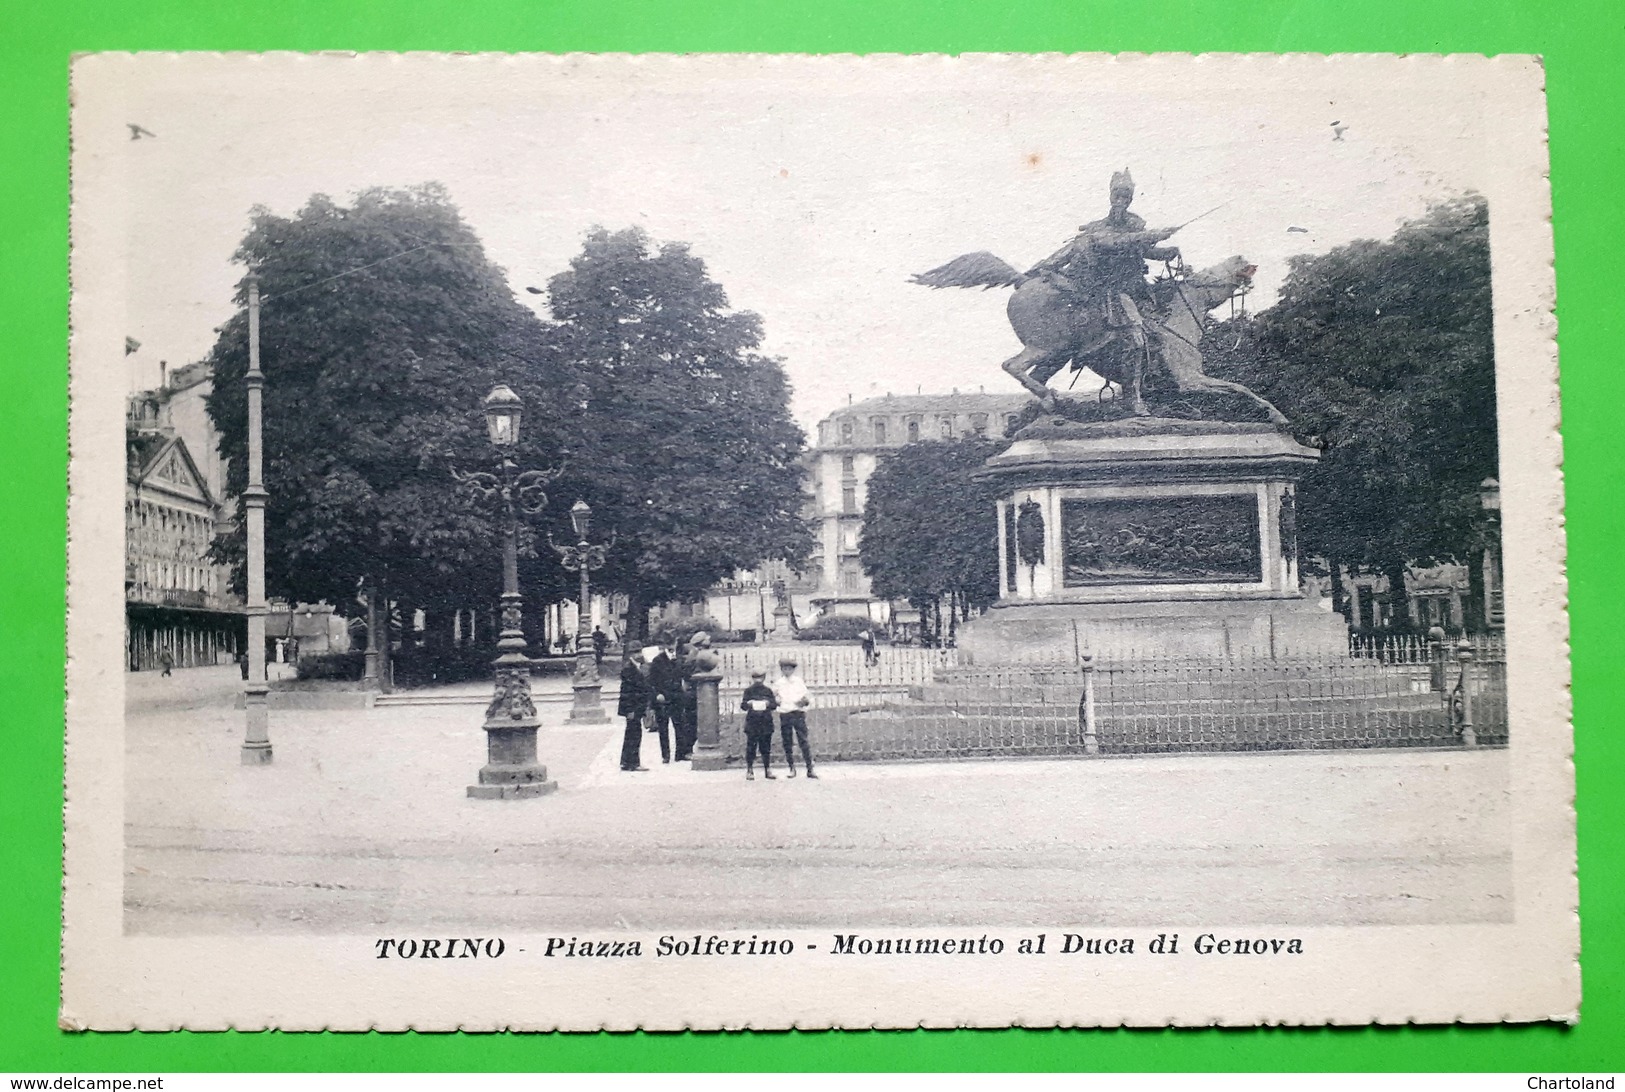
<point>839,666</point>
<point>1394,696</point>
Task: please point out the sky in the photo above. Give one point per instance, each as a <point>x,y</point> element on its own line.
<point>812,188</point>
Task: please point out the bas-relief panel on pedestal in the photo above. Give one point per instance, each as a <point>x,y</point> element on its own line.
<point>1161,540</point>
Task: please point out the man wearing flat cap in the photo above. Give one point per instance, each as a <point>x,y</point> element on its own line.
<point>794,700</point>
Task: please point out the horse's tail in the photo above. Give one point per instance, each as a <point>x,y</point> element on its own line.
<point>978,270</point>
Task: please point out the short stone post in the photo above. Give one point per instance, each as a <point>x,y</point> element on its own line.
<point>1464,655</point>
<point>1086,706</point>
<point>1436,660</point>
<point>708,722</point>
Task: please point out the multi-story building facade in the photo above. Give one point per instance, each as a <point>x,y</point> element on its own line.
<point>176,600</point>
<point>849,444</point>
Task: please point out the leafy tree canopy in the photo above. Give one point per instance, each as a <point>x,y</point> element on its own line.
<point>382,328</point>
<point>1383,353</point>
<point>677,429</point>
<point>930,529</point>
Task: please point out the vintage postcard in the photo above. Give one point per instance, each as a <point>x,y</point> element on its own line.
<point>580,542</point>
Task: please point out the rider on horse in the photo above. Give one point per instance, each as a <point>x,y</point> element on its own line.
<point>1104,266</point>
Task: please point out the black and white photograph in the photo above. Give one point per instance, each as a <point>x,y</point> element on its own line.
<point>768,541</point>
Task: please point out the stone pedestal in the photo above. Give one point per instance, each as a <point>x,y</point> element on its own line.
<point>708,754</point>
<point>511,771</point>
<point>256,748</point>
<point>588,705</point>
<point>1149,536</point>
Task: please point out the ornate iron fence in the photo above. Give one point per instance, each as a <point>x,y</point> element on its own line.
<point>1392,696</point>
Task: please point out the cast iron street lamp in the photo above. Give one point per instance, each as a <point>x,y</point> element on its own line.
<point>582,557</point>
<point>511,770</point>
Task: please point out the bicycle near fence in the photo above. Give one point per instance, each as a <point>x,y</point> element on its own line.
<point>927,706</point>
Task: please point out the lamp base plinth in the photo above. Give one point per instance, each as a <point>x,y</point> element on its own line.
<point>256,754</point>
<point>706,760</point>
<point>523,791</point>
<point>589,704</point>
<point>512,783</point>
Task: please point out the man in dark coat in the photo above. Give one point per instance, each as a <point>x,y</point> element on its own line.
<point>666,692</point>
<point>633,704</point>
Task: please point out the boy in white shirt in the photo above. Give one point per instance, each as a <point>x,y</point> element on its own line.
<point>794,700</point>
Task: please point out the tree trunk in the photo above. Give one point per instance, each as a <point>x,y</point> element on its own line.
<point>1473,619</point>
<point>637,620</point>
<point>1340,595</point>
<point>1399,604</point>
<point>386,656</point>
<point>437,627</point>
<point>953,616</point>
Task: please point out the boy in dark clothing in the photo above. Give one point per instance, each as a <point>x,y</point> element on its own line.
<point>758,703</point>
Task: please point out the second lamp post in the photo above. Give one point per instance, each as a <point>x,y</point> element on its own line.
<point>584,557</point>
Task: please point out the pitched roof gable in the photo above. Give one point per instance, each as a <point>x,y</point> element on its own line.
<point>163,462</point>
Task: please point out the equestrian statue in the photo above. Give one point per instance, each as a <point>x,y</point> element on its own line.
<point>1089,305</point>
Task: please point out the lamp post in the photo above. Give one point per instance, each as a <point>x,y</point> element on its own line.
<point>1489,498</point>
<point>256,749</point>
<point>584,557</point>
<point>511,770</point>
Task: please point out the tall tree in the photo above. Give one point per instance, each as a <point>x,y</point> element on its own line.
<point>930,529</point>
<point>1383,352</point>
<point>678,428</point>
<point>383,327</point>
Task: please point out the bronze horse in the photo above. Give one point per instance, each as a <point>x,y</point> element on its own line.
<point>1055,330</point>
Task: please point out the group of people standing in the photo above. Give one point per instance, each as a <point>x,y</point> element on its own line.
<point>658,695</point>
<point>789,696</point>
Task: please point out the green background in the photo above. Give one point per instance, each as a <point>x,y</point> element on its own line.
<point>1582,44</point>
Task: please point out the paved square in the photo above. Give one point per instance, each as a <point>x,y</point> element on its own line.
<point>362,823</point>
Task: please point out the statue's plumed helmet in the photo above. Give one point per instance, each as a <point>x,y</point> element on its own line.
<point>1122,183</point>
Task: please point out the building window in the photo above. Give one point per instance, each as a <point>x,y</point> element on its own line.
<point>847,467</point>
<point>851,575</point>
<point>880,430</point>
<point>914,431</point>
<point>946,425</point>
<point>849,499</point>
<point>846,432</point>
<point>849,537</point>
<point>978,423</point>
<point>1009,423</point>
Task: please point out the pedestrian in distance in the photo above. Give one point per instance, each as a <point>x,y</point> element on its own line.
<point>633,705</point>
<point>758,703</point>
<point>600,643</point>
<point>167,659</point>
<point>666,696</point>
<point>794,700</point>
<point>867,640</point>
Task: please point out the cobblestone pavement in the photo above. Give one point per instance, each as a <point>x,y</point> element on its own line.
<point>362,822</point>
